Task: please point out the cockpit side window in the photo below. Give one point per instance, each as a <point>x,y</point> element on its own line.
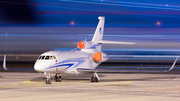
<point>42,57</point>
<point>54,57</point>
<point>39,57</point>
<point>47,58</point>
<point>50,57</point>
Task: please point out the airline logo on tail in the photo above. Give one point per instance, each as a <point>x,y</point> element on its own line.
<point>100,31</point>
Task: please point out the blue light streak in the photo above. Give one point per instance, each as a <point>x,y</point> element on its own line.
<point>146,56</point>
<point>140,50</point>
<point>15,34</point>
<point>135,67</point>
<point>128,4</point>
<point>136,35</point>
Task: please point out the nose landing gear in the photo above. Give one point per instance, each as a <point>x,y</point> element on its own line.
<point>48,76</point>
<point>95,78</point>
<point>57,78</point>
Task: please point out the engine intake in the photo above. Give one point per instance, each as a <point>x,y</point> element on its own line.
<point>81,44</point>
<point>97,56</point>
<point>100,57</point>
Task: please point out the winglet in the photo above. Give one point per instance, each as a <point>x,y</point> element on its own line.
<point>4,63</point>
<point>172,65</point>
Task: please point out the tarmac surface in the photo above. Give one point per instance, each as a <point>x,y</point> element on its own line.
<point>18,86</point>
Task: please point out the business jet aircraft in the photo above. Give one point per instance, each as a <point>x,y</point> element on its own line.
<point>54,63</point>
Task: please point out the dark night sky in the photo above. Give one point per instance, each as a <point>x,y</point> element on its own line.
<point>36,26</point>
<point>130,12</point>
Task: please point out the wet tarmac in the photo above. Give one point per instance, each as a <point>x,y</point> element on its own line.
<point>19,86</point>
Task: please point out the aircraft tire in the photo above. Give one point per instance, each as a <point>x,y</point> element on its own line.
<point>95,79</point>
<point>56,78</point>
<point>59,79</point>
<point>92,79</point>
<point>48,82</point>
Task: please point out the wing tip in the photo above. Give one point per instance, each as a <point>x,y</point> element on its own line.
<point>4,63</point>
<point>173,65</point>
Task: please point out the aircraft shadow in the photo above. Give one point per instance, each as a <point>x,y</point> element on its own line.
<point>140,79</point>
<point>79,78</point>
<point>109,79</point>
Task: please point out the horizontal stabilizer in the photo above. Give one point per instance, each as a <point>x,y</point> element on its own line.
<point>115,42</point>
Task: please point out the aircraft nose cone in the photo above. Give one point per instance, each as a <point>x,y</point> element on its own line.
<point>37,67</point>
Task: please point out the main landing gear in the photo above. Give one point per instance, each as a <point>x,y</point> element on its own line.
<point>57,78</point>
<point>95,78</point>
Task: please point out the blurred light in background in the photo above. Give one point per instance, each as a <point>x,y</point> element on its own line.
<point>158,23</point>
<point>72,22</point>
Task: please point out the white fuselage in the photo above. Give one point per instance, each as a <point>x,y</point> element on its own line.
<point>68,62</point>
<point>65,62</point>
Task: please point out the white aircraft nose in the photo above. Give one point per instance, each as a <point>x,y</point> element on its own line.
<point>38,67</point>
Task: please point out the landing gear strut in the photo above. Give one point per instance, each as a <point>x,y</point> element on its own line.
<point>57,78</point>
<point>95,78</point>
<point>48,76</point>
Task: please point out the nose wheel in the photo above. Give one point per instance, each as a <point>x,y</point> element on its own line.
<point>48,82</point>
<point>57,78</point>
<point>95,78</point>
<point>48,76</point>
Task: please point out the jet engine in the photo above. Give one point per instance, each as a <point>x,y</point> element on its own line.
<point>84,45</point>
<point>100,57</point>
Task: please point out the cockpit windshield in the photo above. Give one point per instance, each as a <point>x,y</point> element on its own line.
<point>46,57</point>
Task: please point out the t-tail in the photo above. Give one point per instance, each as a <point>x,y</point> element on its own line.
<point>98,34</point>
<point>97,40</point>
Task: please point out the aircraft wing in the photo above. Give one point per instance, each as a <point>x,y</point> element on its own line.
<point>83,70</point>
<point>5,68</point>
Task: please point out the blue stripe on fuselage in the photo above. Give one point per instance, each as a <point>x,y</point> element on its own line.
<point>69,63</point>
<point>94,46</point>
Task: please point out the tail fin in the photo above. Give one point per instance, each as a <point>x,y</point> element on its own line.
<point>98,35</point>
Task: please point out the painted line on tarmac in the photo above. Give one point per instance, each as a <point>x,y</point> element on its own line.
<point>31,83</point>
<point>28,84</point>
